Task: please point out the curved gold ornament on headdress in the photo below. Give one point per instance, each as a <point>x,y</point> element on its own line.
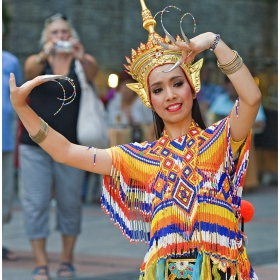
<point>151,55</point>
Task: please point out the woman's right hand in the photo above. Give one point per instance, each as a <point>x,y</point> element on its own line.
<point>48,47</point>
<point>18,95</point>
<point>196,45</point>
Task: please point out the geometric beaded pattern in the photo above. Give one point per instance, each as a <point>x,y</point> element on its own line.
<point>177,171</point>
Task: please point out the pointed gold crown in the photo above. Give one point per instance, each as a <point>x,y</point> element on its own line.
<point>151,55</point>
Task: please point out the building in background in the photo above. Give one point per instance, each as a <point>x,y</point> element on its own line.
<point>109,28</point>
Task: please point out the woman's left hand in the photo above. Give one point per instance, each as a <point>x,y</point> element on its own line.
<point>197,45</point>
<point>78,49</point>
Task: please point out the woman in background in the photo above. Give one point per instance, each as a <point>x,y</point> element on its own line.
<point>41,177</point>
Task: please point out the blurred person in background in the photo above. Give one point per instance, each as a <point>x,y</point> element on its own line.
<point>126,109</point>
<point>108,96</point>
<point>41,177</point>
<point>209,91</point>
<point>10,64</point>
<point>220,108</point>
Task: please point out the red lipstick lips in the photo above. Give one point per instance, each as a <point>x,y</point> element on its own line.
<point>174,107</point>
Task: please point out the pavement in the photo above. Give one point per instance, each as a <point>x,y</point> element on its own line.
<point>103,253</point>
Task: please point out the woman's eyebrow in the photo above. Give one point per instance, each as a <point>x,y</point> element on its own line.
<point>156,83</point>
<point>171,79</point>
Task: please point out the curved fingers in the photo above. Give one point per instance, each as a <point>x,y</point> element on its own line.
<point>18,95</point>
<point>184,45</point>
<point>184,57</point>
<point>187,40</point>
<point>190,57</point>
<point>27,86</point>
<point>12,82</point>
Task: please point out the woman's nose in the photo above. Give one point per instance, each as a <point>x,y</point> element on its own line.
<point>170,94</point>
<point>59,35</point>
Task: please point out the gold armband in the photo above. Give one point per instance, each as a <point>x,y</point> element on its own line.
<point>232,66</point>
<point>42,134</point>
<point>38,59</point>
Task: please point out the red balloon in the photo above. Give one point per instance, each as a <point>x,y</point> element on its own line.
<point>246,210</point>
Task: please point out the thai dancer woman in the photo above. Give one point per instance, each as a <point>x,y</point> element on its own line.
<point>181,193</point>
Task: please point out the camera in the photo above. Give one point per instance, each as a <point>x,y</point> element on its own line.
<point>63,46</point>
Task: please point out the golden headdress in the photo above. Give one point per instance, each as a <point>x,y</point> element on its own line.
<point>151,55</point>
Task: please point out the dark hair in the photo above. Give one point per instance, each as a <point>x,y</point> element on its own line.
<point>196,115</point>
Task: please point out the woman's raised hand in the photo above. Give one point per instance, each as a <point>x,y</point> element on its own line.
<point>78,49</point>
<point>18,95</point>
<point>196,45</point>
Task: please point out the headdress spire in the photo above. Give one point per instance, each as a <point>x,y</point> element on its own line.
<point>148,21</point>
<point>152,54</point>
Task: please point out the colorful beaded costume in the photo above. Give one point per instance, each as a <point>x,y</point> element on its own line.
<point>181,196</point>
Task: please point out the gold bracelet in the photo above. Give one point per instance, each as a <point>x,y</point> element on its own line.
<point>229,63</point>
<point>234,68</point>
<point>42,134</point>
<point>38,59</point>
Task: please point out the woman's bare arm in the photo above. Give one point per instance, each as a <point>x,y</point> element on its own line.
<point>242,80</point>
<point>33,68</point>
<point>56,145</point>
<point>248,92</point>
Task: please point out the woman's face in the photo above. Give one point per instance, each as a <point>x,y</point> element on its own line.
<point>171,94</point>
<point>58,30</point>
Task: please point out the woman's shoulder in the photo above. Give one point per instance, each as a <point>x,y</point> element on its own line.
<point>144,152</point>
<point>213,133</point>
<point>9,57</point>
<point>140,146</point>
<point>210,129</point>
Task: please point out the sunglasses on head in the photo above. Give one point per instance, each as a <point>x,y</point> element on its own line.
<point>55,17</point>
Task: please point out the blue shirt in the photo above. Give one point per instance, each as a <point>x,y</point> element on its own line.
<point>222,105</point>
<point>209,92</point>
<point>10,64</point>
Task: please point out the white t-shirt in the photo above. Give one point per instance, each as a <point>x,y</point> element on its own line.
<point>139,112</point>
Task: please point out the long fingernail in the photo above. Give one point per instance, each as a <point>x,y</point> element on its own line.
<point>47,78</point>
<point>176,65</point>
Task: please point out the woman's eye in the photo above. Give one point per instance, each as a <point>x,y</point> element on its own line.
<point>157,90</point>
<point>178,84</point>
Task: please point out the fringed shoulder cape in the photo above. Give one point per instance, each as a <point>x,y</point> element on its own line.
<point>182,196</point>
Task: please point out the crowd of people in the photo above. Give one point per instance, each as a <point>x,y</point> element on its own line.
<point>160,182</point>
